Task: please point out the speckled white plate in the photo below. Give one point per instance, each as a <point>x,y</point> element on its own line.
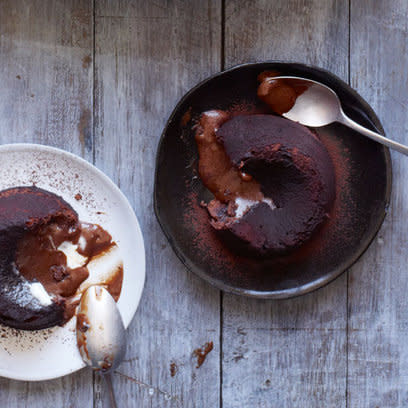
<point>52,353</point>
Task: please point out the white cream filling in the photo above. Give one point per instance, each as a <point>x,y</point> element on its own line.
<point>74,259</point>
<point>82,242</point>
<point>243,205</point>
<point>39,292</point>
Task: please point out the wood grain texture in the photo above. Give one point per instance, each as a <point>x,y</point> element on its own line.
<point>378,351</point>
<point>147,56</point>
<point>286,353</point>
<point>46,97</point>
<point>46,73</point>
<point>308,31</point>
<point>295,353</point>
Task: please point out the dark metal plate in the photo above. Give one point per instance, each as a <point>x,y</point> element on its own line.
<point>363,183</point>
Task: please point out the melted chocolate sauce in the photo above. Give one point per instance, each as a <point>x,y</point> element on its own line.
<point>114,284</point>
<point>96,240</point>
<point>279,94</point>
<point>83,324</point>
<point>216,170</point>
<point>38,257</point>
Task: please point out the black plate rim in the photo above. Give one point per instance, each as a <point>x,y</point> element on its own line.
<point>318,283</point>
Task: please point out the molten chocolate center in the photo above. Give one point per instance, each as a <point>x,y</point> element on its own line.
<point>217,172</point>
<point>38,257</point>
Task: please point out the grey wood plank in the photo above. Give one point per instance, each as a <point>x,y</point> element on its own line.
<point>147,56</point>
<point>46,97</point>
<point>378,352</point>
<point>46,73</point>
<point>287,353</point>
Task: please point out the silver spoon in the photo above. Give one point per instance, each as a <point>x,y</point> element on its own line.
<point>101,334</point>
<point>318,105</point>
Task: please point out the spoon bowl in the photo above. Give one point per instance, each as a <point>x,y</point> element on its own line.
<point>316,106</point>
<point>313,104</point>
<point>101,334</point>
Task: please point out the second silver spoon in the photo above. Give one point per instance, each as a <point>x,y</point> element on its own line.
<point>101,334</point>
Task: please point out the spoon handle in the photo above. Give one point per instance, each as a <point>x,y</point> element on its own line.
<point>108,380</point>
<point>345,120</point>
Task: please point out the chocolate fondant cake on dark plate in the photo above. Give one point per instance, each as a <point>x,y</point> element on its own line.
<point>295,183</point>
<point>261,206</point>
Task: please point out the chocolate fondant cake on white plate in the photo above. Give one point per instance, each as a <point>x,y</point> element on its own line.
<point>44,253</point>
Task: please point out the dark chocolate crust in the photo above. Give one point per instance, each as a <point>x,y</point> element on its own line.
<point>293,168</point>
<point>23,209</point>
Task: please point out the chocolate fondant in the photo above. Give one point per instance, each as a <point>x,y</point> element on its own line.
<point>33,225</point>
<point>296,183</point>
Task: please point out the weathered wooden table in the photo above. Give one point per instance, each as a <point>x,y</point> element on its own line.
<point>99,78</point>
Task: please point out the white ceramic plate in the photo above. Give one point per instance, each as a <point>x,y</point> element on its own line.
<point>52,353</point>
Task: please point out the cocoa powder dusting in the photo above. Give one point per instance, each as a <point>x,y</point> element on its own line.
<point>186,118</point>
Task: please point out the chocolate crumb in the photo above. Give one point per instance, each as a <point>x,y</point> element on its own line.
<point>18,76</point>
<point>202,352</point>
<point>86,61</point>
<point>59,272</point>
<point>78,196</point>
<point>107,363</point>
<point>173,369</point>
